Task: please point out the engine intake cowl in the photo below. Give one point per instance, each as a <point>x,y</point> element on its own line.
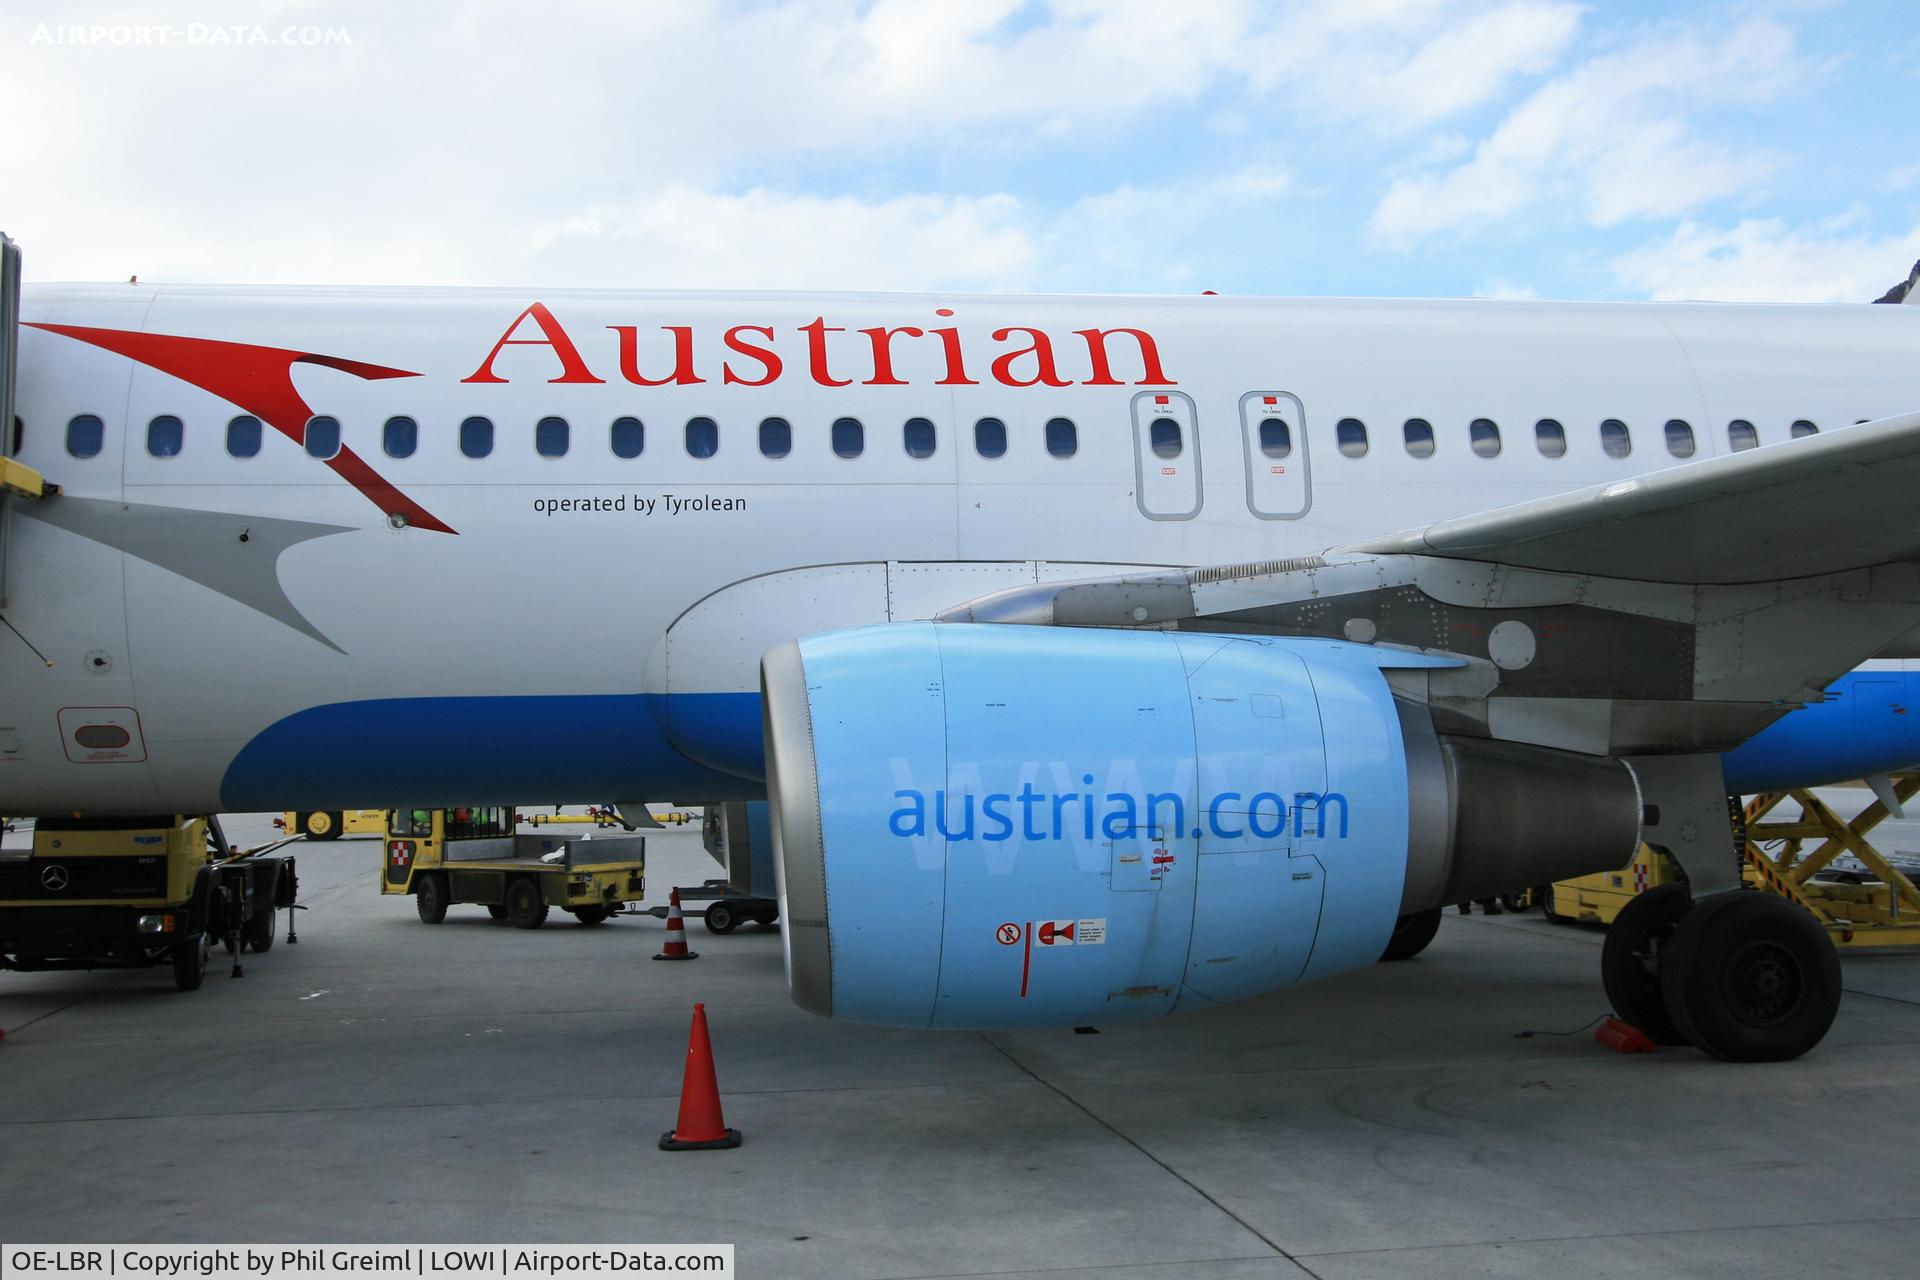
<point>998,825</point>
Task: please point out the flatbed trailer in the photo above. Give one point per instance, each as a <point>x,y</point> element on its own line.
<point>724,909</point>
<point>470,854</point>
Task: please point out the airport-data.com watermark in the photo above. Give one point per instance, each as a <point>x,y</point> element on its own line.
<point>187,35</point>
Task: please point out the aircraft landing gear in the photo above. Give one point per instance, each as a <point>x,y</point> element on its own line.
<point>1744,976</point>
<point>1749,977</point>
<point>1630,960</point>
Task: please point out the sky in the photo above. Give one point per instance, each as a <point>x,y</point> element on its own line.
<point>1752,150</point>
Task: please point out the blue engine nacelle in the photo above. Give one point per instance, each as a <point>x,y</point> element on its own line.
<point>1010,826</point>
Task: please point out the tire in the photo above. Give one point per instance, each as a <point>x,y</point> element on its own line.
<point>496,911</point>
<point>1750,977</point>
<point>190,962</point>
<point>259,931</point>
<point>1631,958</point>
<point>1516,901</point>
<point>321,824</point>
<point>590,915</point>
<point>767,918</point>
<point>526,909</point>
<point>1412,934</point>
<point>1546,908</point>
<point>720,918</point>
<point>430,898</point>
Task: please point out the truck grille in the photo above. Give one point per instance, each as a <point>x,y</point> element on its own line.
<point>57,879</point>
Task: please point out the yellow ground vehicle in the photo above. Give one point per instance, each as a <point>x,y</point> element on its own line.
<point>130,892</point>
<point>331,824</point>
<point>471,854</point>
<point>1597,899</point>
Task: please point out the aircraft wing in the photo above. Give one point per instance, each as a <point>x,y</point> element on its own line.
<point>1682,610</point>
<point>1819,505</point>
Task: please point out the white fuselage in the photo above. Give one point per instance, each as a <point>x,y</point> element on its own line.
<point>586,576</point>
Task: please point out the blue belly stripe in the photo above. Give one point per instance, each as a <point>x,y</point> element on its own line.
<point>552,749</point>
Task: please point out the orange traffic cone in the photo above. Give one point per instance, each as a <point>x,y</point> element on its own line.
<point>676,948</point>
<point>701,1127</point>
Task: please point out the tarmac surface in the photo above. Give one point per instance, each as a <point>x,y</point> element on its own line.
<point>388,1081</point>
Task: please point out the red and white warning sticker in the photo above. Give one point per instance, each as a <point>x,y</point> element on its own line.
<point>1090,933</point>
<point>1008,934</point>
<point>1055,933</point>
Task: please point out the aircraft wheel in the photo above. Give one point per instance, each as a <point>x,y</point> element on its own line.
<point>321,825</point>
<point>190,962</point>
<point>526,909</point>
<point>430,898</point>
<point>1631,958</point>
<point>1412,934</point>
<point>1750,977</point>
<point>720,918</point>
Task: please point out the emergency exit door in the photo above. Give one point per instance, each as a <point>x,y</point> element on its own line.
<point>1166,456</point>
<point>1273,437</point>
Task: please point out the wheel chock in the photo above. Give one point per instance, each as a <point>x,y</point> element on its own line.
<point>1624,1037</point>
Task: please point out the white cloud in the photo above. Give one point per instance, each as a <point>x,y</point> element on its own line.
<point>1501,287</point>
<point>1764,260</point>
<point>1148,235</point>
<point>1401,65</point>
<point>685,237</point>
<point>1609,139</point>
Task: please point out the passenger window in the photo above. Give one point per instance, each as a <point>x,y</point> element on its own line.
<point>551,437</point>
<point>1276,437</point>
<point>918,435</point>
<point>85,435</point>
<point>1063,438</point>
<point>1484,435</point>
<point>476,437</point>
<point>243,436</point>
<point>776,438</point>
<point>400,436</point>
<point>990,437</point>
<point>627,437</point>
<point>849,437</point>
<point>1350,434</point>
<point>1615,440</point>
<point>323,437</point>
<point>1550,438</point>
<point>703,437</point>
<point>1679,438</point>
<point>1801,427</point>
<point>1419,437</point>
<point>164,436</point>
<point>1741,435</point>
<point>1164,436</point>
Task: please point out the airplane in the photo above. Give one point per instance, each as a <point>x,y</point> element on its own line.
<point>1100,657</point>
